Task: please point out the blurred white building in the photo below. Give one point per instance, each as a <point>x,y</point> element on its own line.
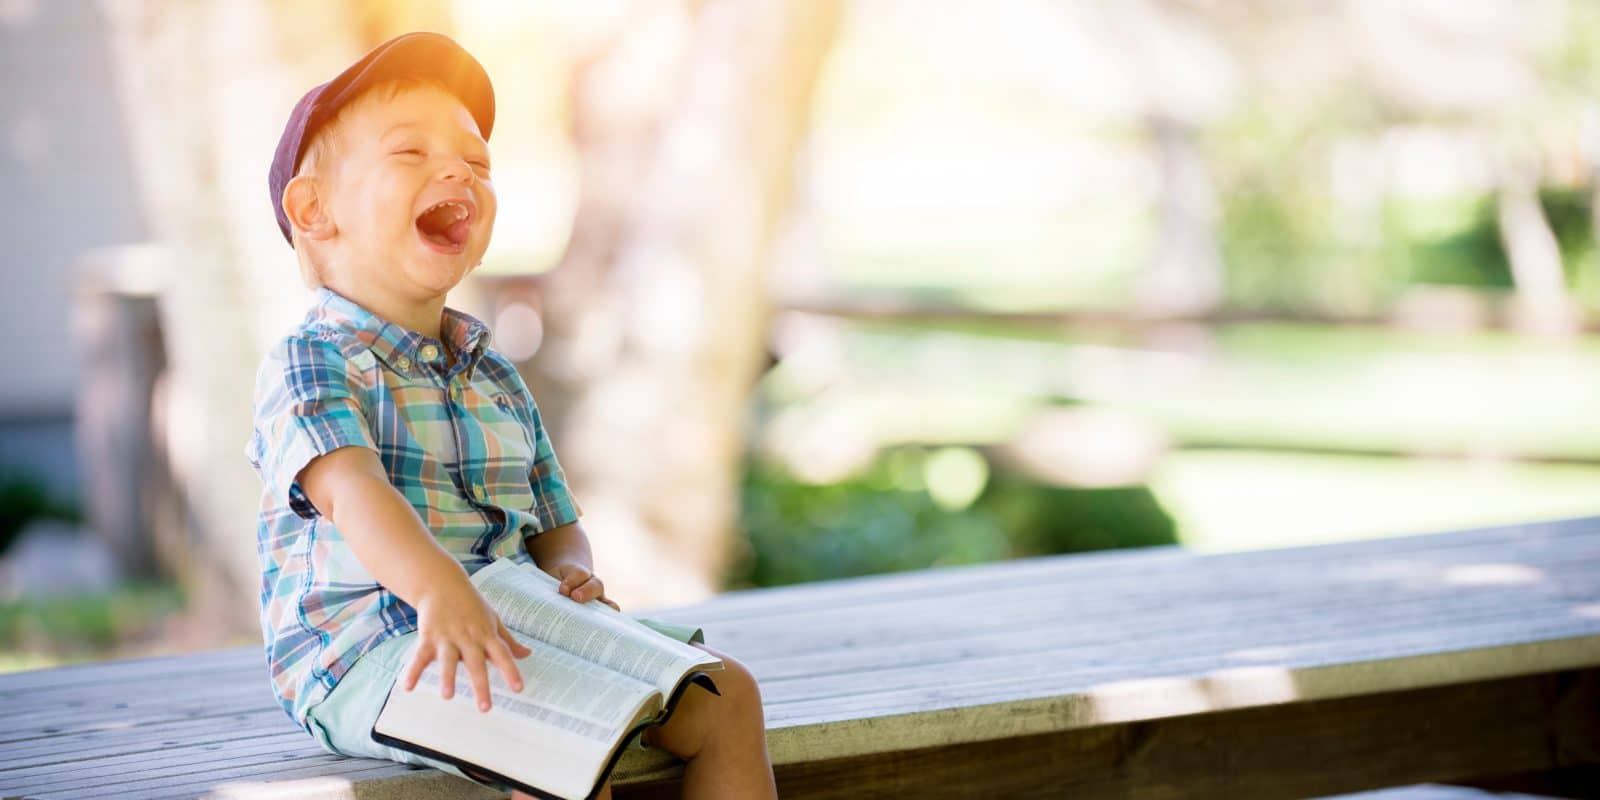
<point>66,187</point>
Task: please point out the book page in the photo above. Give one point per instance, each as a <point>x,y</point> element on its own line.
<point>557,733</point>
<point>528,600</point>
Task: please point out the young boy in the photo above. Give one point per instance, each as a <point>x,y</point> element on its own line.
<point>398,451</point>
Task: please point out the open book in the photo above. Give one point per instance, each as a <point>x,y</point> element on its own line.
<point>595,678</point>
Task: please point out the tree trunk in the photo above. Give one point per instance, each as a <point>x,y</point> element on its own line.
<point>207,88</point>
<point>1541,304</point>
<point>1185,276</point>
<point>655,321</point>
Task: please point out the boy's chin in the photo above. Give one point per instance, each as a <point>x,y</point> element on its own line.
<point>438,274</point>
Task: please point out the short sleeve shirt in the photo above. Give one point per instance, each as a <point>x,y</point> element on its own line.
<point>463,443</point>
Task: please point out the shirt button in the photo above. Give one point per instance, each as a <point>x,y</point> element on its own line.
<point>455,392</point>
<point>428,352</point>
<point>478,492</point>
<point>403,363</point>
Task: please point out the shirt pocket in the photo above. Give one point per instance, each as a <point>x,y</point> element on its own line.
<point>508,453</point>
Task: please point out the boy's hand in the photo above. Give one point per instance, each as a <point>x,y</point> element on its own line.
<point>455,624</point>
<point>578,583</point>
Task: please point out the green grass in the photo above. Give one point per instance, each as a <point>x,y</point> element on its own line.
<point>1242,500</point>
<point>17,662</point>
<point>42,632</point>
<point>1263,385</point>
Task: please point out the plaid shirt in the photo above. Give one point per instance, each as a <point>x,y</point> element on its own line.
<point>464,445</point>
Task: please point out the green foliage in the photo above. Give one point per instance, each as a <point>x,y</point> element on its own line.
<point>1274,232</point>
<point>1456,239</point>
<point>1285,237</point>
<point>1570,214</point>
<point>882,522</point>
<point>1447,240</point>
<point>1044,520</point>
<point>22,499</point>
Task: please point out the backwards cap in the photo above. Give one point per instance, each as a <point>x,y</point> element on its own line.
<point>411,55</point>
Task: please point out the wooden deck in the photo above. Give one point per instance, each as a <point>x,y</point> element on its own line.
<point>1151,673</point>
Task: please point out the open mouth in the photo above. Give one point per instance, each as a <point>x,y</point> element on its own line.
<point>445,224</point>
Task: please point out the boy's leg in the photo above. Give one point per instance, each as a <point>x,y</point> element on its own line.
<point>723,737</point>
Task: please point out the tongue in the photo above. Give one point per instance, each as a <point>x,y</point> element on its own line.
<point>457,232</point>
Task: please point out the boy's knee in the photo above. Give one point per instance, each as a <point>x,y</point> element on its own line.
<point>735,711</point>
<point>738,686</point>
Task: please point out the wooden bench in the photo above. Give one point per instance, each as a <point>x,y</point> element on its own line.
<point>1148,673</point>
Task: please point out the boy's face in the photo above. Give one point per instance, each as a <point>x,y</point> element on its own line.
<point>397,161</point>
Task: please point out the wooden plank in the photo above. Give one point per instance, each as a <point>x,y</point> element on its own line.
<point>89,675</point>
<point>1106,652</point>
<point>206,699</point>
<point>1287,751</point>
<point>116,689</point>
<point>220,746</point>
<point>936,718</point>
<point>1248,640</point>
<point>806,630</point>
<point>112,738</point>
<point>895,641</point>
<point>794,626</point>
<point>1236,626</point>
<point>789,624</point>
<point>898,649</point>
<point>231,696</point>
<point>200,756</point>
<point>185,709</point>
<point>1086,642</point>
<point>1165,655</point>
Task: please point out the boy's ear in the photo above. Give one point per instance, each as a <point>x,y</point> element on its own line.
<point>302,204</point>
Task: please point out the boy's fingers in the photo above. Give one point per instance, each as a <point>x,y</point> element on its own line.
<point>589,590</point>
<point>518,649</point>
<point>447,671</point>
<point>478,675</point>
<point>574,577</point>
<point>419,662</point>
<point>500,653</point>
<point>608,601</point>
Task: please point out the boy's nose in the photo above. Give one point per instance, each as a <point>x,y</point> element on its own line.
<point>458,170</point>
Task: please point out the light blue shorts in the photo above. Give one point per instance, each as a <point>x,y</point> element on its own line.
<point>342,722</point>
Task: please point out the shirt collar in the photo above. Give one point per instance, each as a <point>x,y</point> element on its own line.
<point>400,347</point>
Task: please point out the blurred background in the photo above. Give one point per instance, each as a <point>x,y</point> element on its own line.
<point>816,288</point>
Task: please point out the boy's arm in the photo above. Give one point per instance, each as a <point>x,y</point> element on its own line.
<point>564,552</point>
<point>454,623</point>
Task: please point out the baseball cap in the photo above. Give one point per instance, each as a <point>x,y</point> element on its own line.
<point>420,54</point>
